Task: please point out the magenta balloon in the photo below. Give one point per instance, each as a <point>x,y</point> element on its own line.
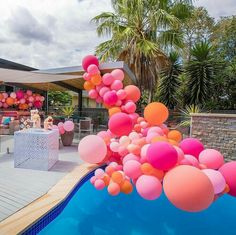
<point>228,170</point>
<point>121,94</point>
<point>88,60</point>
<point>149,187</point>
<point>134,117</point>
<point>107,79</point>
<point>132,169</point>
<point>191,146</point>
<point>93,94</point>
<point>87,146</point>
<point>162,155</point>
<point>68,126</point>
<point>216,179</point>
<point>110,98</point>
<point>117,85</point>
<point>130,107</point>
<point>38,104</point>
<point>93,69</point>
<point>211,158</point>
<point>19,94</point>
<point>118,74</point>
<point>120,124</point>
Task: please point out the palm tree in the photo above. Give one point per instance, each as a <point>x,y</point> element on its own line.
<point>201,72</point>
<point>140,33</point>
<point>170,81</point>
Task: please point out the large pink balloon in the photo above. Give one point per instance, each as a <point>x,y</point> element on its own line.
<point>132,168</point>
<point>110,98</point>
<point>68,126</point>
<point>93,94</point>
<point>118,74</point>
<point>228,170</point>
<point>87,146</point>
<point>192,146</point>
<point>149,187</point>
<point>162,155</point>
<point>88,60</point>
<point>120,124</point>
<point>211,158</point>
<point>216,179</point>
<point>130,107</point>
<point>93,69</point>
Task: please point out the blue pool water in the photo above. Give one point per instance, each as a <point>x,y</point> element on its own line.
<point>93,212</point>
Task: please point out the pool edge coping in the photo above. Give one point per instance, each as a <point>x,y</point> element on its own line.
<point>33,212</point>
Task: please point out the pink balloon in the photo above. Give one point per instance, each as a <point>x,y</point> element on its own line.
<point>38,104</point>
<point>180,153</point>
<point>228,170</point>
<point>30,104</point>
<point>124,140</point>
<point>192,160</point>
<point>216,179</point>
<point>132,168</point>
<point>104,135</point>
<point>31,99</point>
<point>120,124</point>
<point>61,130</point>
<point>99,100</point>
<point>22,101</point>
<point>134,117</point>
<point>130,107</point>
<point>42,98</point>
<point>134,136</point>
<point>103,91</point>
<point>110,97</point>
<point>29,92</point>
<point>114,146</point>
<point>88,60</point>
<point>87,76</point>
<point>99,87</point>
<point>13,95</point>
<point>68,126</point>
<point>5,95</point>
<point>1,104</point>
<point>107,79</point>
<point>113,189</point>
<point>99,184</point>
<point>191,146</point>
<point>162,155</point>
<point>155,129</point>
<point>19,94</point>
<point>130,156</point>
<point>118,103</point>
<point>117,85</point>
<point>211,158</point>
<point>149,187</point>
<point>37,97</point>
<point>87,146</point>
<point>93,94</point>
<point>93,69</point>
<point>5,106</point>
<point>55,127</point>
<point>143,153</point>
<point>93,179</point>
<point>150,136</point>
<point>118,74</point>
<point>60,124</point>
<point>121,94</point>
<point>122,151</point>
<point>99,173</point>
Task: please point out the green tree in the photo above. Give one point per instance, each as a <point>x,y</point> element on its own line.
<point>140,33</point>
<point>59,98</point>
<point>201,72</point>
<point>170,81</point>
<point>197,28</point>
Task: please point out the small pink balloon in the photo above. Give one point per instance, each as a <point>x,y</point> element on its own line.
<point>180,153</point>
<point>121,94</point>
<point>130,156</point>
<point>113,189</point>
<point>93,69</point>
<point>68,126</point>
<point>93,179</point>
<point>216,179</point>
<point>99,100</point>
<point>130,107</point>
<point>133,117</point>
<point>37,97</point>
<point>118,103</point>
<point>132,168</point>
<point>114,146</point>
<point>93,94</point>
<point>42,98</point>
<point>61,130</point>
<point>150,136</point>
<point>30,104</point>
<point>103,91</point>
<point>5,95</point>
<point>117,85</point>
<point>122,151</point>
<point>118,74</point>
<point>192,160</point>
<point>124,140</point>
<point>99,184</point>
<point>191,146</point>
<point>143,153</point>
<point>13,95</point>
<point>87,76</point>
<point>134,136</point>
<point>107,79</point>
<point>31,99</point>
<point>60,124</point>
<point>29,92</point>
<point>88,60</point>
<point>99,87</point>
<point>38,104</point>
<point>149,187</point>
<point>144,124</point>
<point>22,101</point>
<point>156,129</point>
<point>99,173</point>
<point>211,158</point>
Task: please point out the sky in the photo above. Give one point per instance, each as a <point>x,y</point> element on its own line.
<point>49,34</point>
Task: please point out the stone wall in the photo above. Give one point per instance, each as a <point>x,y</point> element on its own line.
<point>216,131</point>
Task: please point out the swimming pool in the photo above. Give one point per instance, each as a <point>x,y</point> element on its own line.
<point>95,212</point>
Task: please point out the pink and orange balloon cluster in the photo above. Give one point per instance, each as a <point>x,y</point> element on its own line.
<point>142,152</point>
<point>22,100</point>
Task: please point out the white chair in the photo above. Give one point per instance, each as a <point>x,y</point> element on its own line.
<point>85,126</point>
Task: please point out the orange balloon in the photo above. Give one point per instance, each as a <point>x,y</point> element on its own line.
<point>106,179</point>
<point>107,106</point>
<point>159,138</point>
<point>148,169</point>
<point>227,189</point>
<point>114,110</point>
<point>188,188</point>
<point>158,173</point>
<point>96,79</point>
<point>133,93</point>
<point>173,142</point>
<point>126,187</point>
<point>88,85</point>
<point>10,101</point>
<point>1,96</point>
<point>175,135</point>
<point>156,113</point>
<point>117,177</point>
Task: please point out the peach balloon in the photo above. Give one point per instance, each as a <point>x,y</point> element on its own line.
<point>113,189</point>
<point>156,113</point>
<point>132,93</point>
<point>188,188</point>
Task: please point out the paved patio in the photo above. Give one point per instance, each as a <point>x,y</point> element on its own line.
<point>19,187</point>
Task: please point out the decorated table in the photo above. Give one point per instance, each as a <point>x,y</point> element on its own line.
<point>36,148</point>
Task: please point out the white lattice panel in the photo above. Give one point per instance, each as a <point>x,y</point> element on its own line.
<point>36,148</point>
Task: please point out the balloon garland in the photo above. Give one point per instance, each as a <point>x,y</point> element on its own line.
<point>22,100</point>
<point>142,152</point>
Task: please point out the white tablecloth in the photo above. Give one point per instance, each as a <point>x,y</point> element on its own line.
<point>36,148</point>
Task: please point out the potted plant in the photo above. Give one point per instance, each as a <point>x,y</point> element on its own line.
<point>66,131</point>
<point>68,112</point>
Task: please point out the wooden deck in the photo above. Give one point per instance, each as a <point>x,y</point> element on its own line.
<point>19,187</point>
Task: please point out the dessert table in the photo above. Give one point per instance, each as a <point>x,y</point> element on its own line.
<point>36,148</point>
